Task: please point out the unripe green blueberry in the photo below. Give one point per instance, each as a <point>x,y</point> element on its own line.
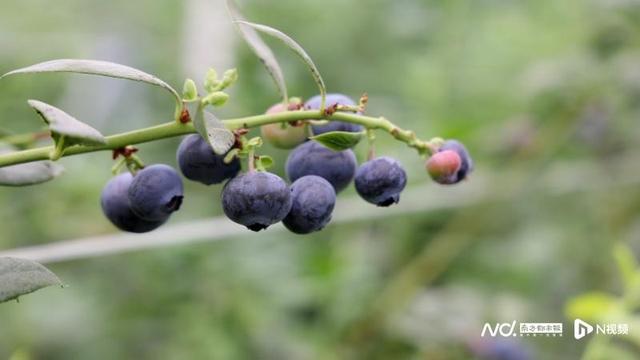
<point>283,137</point>
<point>443,167</point>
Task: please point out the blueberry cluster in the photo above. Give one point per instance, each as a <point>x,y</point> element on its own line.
<point>258,199</point>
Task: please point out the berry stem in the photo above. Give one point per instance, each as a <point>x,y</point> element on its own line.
<point>251,159</point>
<point>175,128</point>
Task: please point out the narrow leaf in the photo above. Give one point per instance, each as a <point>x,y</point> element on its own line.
<point>264,162</point>
<point>29,174</point>
<point>95,67</point>
<point>213,130</point>
<point>20,277</point>
<point>339,140</point>
<point>63,124</point>
<point>262,50</point>
<point>296,48</point>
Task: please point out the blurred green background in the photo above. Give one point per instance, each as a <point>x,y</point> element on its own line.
<point>546,95</point>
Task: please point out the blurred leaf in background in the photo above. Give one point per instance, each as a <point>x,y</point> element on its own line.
<point>545,93</point>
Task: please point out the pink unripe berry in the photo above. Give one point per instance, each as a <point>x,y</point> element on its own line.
<point>443,166</point>
<point>283,137</point>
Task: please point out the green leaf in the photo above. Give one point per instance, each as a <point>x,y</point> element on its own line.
<point>255,142</point>
<point>627,264</point>
<point>65,126</point>
<point>189,90</point>
<point>212,129</point>
<point>29,174</point>
<point>20,277</point>
<point>591,306</point>
<point>339,140</point>
<point>262,50</point>
<point>264,162</point>
<point>95,67</point>
<point>296,48</point>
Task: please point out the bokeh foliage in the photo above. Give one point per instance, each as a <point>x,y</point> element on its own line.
<point>530,86</point>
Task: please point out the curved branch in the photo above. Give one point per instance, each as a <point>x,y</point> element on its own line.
<point>173,129</point>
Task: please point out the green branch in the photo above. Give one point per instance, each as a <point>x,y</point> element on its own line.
<point>173,129</point>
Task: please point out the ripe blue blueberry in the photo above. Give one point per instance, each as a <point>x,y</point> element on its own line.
<point>199,163</point>
<point>333,99</point>
<point>380,181</point>
<point>116,206</point>
<point>156,192</point>
<point>313,200</point>
<point>311,158</point>
<point>256,199</point>
<point>466,166</point>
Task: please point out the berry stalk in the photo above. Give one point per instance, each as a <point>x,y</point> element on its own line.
<point>174,129</point>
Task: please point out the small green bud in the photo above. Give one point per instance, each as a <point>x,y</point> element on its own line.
<point>211,82</point>
<point>189,90</point>
<point>217,98</point>
<point>229,78</point>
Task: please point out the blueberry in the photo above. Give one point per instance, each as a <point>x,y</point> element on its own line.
<point>116,206</point>
<point>199,163</point>
<point>283,138</point>
<point>380,181</point>
<point>333,99</point>
<point>313,200</point>
<point>156,192</point>
<point>311,158</point>
<point>466,166</point>
<point>256,199</point>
